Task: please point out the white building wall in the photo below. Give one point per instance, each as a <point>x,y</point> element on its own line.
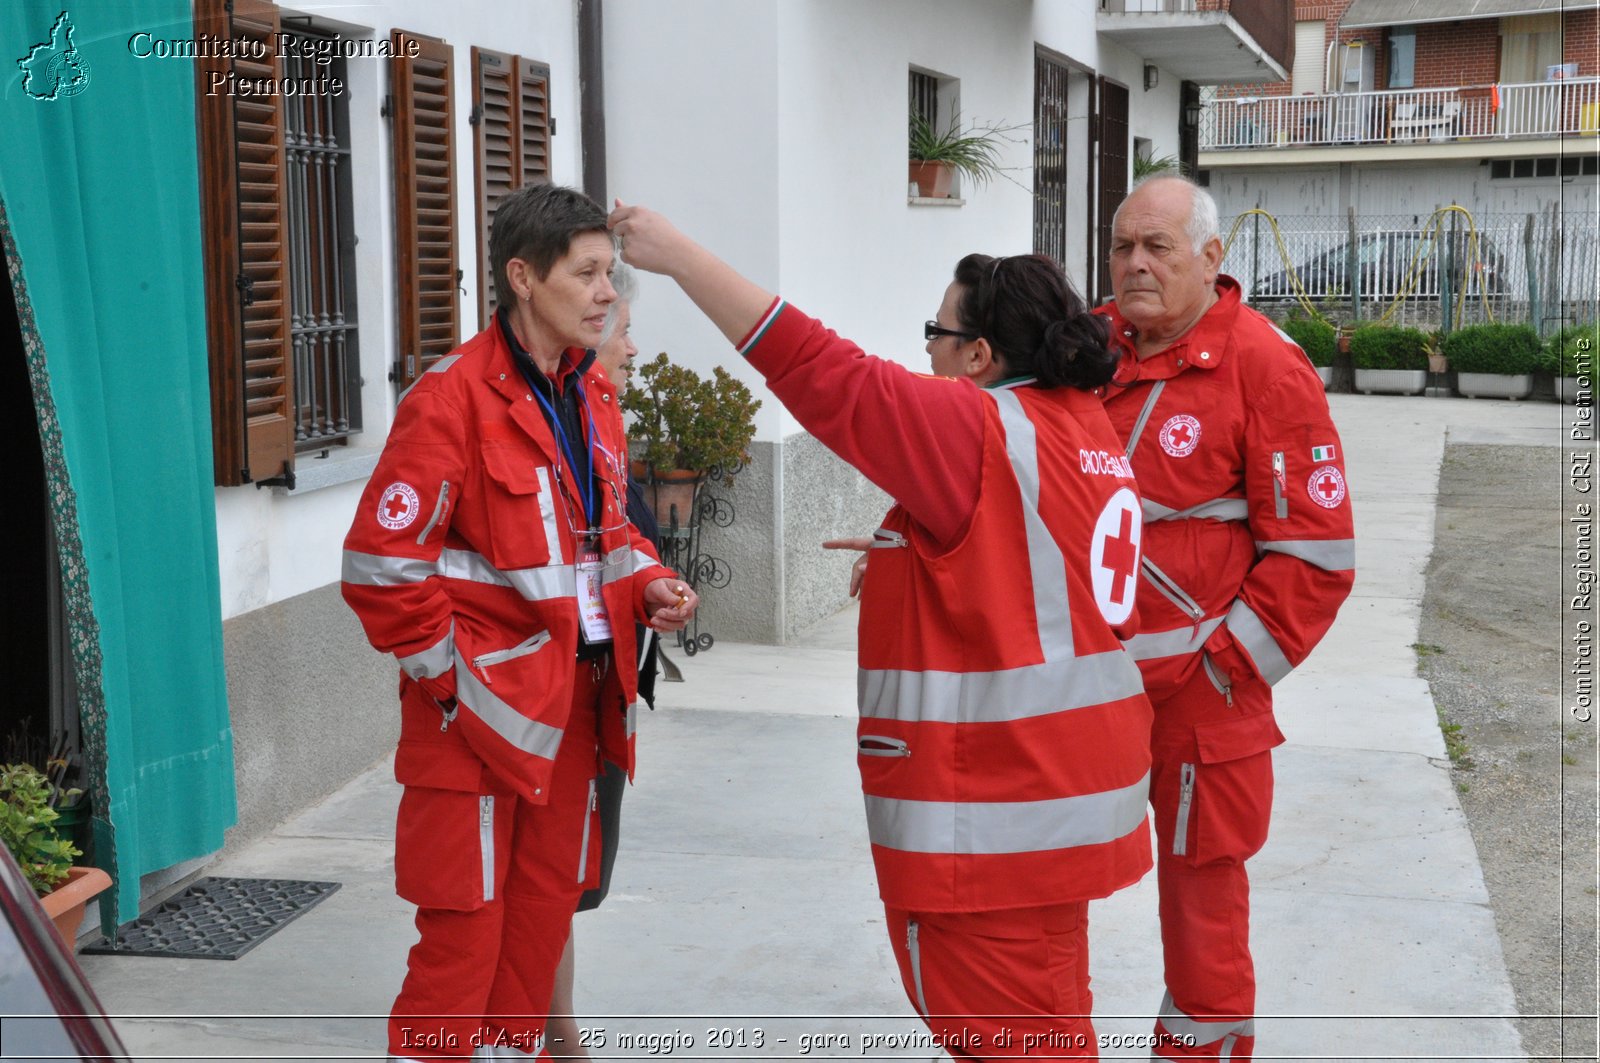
<point>274,544</point>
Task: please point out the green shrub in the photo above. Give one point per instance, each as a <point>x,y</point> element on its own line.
<point>27,827</point>
<point>1316,338</point>
<point>1377,347</point>
<point>1506,349</point>
<point>1572,351</point>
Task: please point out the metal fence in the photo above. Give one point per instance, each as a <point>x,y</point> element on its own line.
<point>1536,268</point>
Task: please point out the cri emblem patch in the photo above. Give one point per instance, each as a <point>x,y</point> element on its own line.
<point>1326,486</point>
<point>1180,435</point>
<point>398,505</point>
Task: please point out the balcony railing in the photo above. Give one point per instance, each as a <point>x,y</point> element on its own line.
<point>1401,116</point>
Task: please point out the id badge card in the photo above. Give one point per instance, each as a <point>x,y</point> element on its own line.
<point>591,604</point>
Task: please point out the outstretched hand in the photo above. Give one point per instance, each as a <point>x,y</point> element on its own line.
<point>858,571</point>
<point>649,241</point>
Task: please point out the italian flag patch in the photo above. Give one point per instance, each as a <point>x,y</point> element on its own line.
<point>1323,453</point>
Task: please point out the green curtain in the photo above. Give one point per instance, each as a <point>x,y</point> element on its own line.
<point>100,213</point>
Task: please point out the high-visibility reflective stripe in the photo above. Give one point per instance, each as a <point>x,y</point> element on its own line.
<point>1204,1033</point>
<point>547,514</point>
<point>535,584</point>
<point>437,367</point>
<point>619,564</point>
<point>1174,643</point>
<point>1330,555</point>
<point>632,719</point>
<point>434,661</point>
<point>996,827</point>
<point>996,697</point>
<point>529,736</point>
<point>1249,632</point>
<point>1214,509</point>
<point>1046,567</point>
<point>376,570</point>
<point>643,561</point>
<point>1144,416</point>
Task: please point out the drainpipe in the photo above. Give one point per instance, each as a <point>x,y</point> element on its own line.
<point>592,97</point>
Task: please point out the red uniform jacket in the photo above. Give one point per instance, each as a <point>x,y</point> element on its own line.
<point>1249,543</point>
<point>1004,734</point>
<point>460,562</point>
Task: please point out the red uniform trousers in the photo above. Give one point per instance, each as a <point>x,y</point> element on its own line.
<point>1211,793</point>
<point>483,971</point>
<point>1003,984</point>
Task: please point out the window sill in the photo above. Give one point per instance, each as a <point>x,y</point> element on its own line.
<point>930,201</point>
<point>343,465</point>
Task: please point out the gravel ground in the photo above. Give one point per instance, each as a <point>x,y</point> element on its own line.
<point>1495,646</point>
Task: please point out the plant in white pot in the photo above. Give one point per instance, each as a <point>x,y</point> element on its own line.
<point>1570,356</point>
<point>1494,361</point>
<point>1389,361</point>
<point>1318,339</point>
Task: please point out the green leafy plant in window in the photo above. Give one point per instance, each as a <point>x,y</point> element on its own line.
<point>973,151</point>
<point>26,827</point>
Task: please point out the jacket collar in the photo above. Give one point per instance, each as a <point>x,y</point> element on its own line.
<point>1204,346</point>
<point>505,374</point>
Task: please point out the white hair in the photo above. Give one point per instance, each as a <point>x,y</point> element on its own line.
<point>1202,226</point>
<point>626,283</point>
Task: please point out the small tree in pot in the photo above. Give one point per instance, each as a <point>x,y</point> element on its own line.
<point>684,426</point>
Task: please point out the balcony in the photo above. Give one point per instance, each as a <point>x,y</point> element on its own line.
<point>1210,42</point>
<point>1404,116</point>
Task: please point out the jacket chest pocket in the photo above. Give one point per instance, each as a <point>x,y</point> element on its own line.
<point>523,510</point>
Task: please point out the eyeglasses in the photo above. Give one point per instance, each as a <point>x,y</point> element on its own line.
<point>932,330</point>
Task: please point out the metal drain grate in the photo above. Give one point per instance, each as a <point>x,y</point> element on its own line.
<point>217,918</point>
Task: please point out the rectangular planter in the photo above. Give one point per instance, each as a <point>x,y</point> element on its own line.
<point>1326,373</point>
<point>1494,385</point>
<point>1568,388</point>
<point>1391,381</point>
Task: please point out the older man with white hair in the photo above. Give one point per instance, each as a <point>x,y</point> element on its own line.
<point>1248,554</point>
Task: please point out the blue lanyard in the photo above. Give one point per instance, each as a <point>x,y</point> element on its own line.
<point>585,484</point>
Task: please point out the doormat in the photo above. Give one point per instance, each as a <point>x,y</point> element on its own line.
<point>216,918</point>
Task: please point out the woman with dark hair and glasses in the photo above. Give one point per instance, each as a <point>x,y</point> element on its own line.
<point>1003,740</point>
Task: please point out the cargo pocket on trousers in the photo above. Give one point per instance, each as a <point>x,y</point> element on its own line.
<point>451,847</point>
<point>1227,796</point>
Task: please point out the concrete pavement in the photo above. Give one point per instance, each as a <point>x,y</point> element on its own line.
<point>743,920</point>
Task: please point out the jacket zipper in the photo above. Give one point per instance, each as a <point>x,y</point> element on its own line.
<point>1280,504</point>
<point>1180,833</point>
<point>438,512</point>
<point>1224,687</point>
<point>449,714</point>
<point>879,746</point>
<point>1172,592</point>
<point>532,644</point>
<point>583,851</point>
<point>486,843</point>
<point>915,954</point>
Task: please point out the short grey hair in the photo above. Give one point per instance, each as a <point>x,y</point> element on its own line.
<point>626,283</point>
<point>1203,225</point>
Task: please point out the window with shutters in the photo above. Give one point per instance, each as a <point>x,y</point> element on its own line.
<point>280,298</point>
<point>421,108</point>
<point>511,130</point>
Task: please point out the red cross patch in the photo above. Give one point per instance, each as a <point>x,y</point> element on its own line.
<point>398,505</point>
<point>1114,555</point>
<point>1180,435</point>
<point>1326,486</point>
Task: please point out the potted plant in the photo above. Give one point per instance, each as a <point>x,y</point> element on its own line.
<point>935,157</point>
<point>684,426</point>
<point>27,827</point>
<point>1494,361</point>
<point>1318,339</point>
<point>1570,358</point>
<point>1389,361</point>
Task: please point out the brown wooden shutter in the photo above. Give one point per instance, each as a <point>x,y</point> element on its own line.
<point>1113,119</point>
<point>533,88</point>
<point>423,109</point>
<point>498,160</point>
<point>247,293</point>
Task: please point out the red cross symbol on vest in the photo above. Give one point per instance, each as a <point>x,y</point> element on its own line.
<point>397,506</point>
<point>1114,555</point>
<point>1326,487</point>
<point>1180,435</point>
